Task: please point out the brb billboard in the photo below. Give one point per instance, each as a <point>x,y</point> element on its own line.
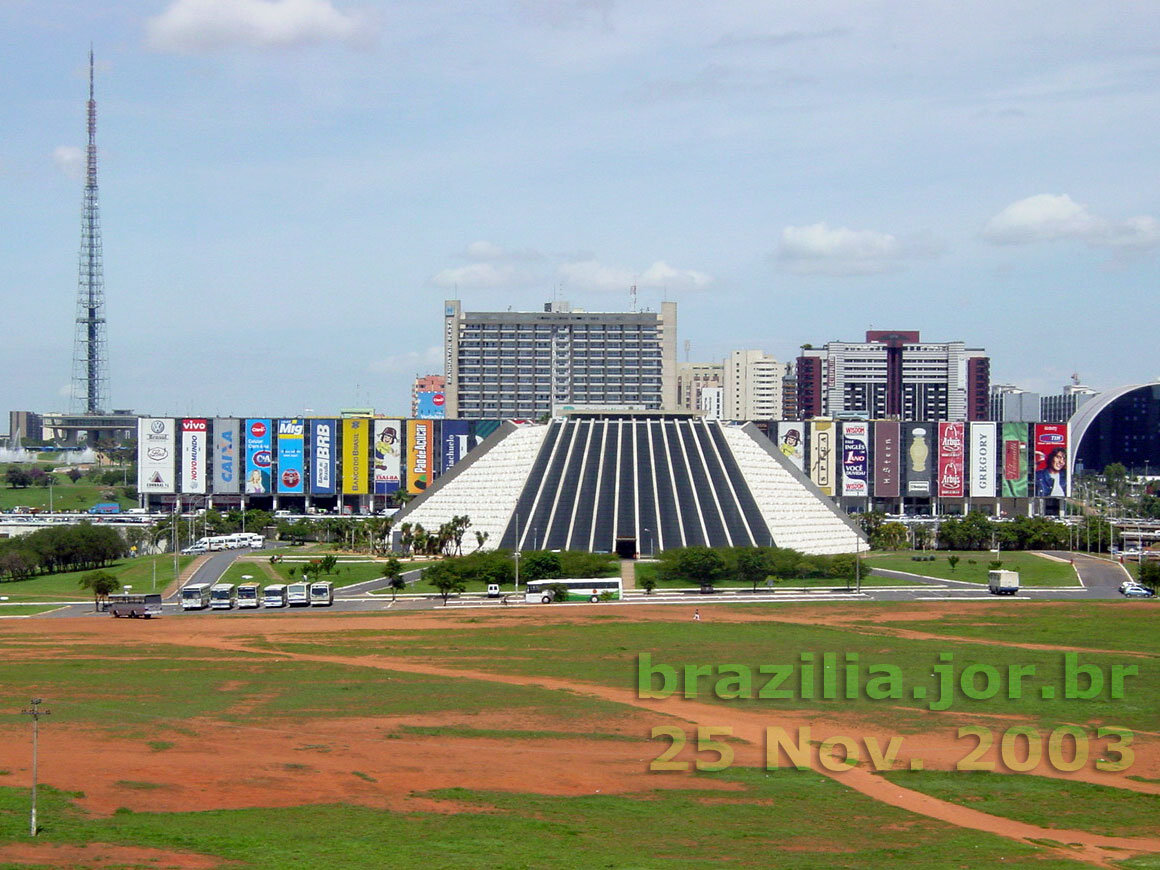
<point>951,443</point>
<point>291,456</point>
<point>855,459</point>
<point>323,442</point>
<point>156,455</point>
<point>194,448</point>
<point>259,456</point>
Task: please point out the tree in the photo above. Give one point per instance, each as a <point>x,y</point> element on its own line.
<point>480,539</point>
<point>102,584</point>
<point>540,565</point>
<point>954,561</point>
<point>703,566</point>
<point>1150,574</point>
<point>445,578</point>
<point>890,536</point>
<point>392,570</point>
<point>17,477</point>
<point>753,566</point>
<point>648,584</point>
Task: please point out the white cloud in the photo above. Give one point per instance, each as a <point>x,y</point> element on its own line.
<point>480,276</point>
<point>595,276</point>
<point>1047,217</point>
<point>485,251</point>
<point>412,362</point>
<point>70,160</point>
<point>820,249</point>
<point>192,26</point>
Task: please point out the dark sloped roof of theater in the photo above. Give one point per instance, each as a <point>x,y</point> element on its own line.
<point>664,480</point>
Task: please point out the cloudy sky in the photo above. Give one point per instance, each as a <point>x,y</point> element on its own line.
<point>290,188</point>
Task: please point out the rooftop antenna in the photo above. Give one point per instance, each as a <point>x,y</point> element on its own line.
<point>90,378</point>
<point>688,347</point>
<point>632,297</point>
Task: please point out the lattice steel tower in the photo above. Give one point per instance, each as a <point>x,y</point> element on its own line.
<point>90,379</point>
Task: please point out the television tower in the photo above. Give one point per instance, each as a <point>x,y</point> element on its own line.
<point>90,378</point>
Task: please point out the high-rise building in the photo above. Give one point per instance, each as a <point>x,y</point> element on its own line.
<point>753,381</point>
<point>1010,404</point>
<point>692,378</point>
<point>894,375</point>
<point>1058,409</point>
<point>427,394</point>
<point>528,364</point>
<point>712,403</point>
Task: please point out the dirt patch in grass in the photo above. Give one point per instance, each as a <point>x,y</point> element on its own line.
<point>104,855</point>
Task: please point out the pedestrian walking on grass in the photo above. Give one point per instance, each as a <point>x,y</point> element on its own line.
<point>696,615</point>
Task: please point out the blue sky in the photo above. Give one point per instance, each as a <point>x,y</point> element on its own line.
<point>290,189</point>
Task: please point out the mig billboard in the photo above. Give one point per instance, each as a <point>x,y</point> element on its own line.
<point>291,456</point>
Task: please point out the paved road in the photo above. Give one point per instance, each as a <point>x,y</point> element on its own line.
<point>1100,579</point>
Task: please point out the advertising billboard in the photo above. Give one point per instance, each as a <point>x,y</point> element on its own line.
<point>982,460</point>
<point>430,405</point>
<point>856,459</point>
<point>259,457</point>
<point>194,444</point>
<point>419,464</point>
<point>291,456</point>
<point>227,469</point>
<point>1051,460</point>
<point>355,448</point>
<point>822,455</point>
<point>322,446</point>
<point>456,439</point>
<point>388,456</point>
<point>791,443</point>
<point>1014,481</point>
<point>156,455</point>
<point>917,458</point>
<point>951,448</point>
<point>887,450</point>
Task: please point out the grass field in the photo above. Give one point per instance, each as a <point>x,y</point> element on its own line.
<point>138,573</point>
<point>522,738</point>
<point>973,566</point>
<point>649,569</point>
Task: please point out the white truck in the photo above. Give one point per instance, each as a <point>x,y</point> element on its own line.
<point>1003,582</point>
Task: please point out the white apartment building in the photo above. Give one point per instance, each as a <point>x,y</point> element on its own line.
<point>753,385</point>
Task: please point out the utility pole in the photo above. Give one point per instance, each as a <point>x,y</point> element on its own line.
<point>35,713</point>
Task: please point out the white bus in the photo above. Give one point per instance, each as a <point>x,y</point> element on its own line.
<point>298,594</point>
<point>147,605</point>
<point>222,596</point>
<point>253,540</point>
<point>593,589</point>
<point>321,593</point>
<point>195,596</point>
<point>248,595</point>
<point>274,595</point>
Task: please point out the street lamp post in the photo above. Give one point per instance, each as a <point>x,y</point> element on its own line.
<point>35,713</point>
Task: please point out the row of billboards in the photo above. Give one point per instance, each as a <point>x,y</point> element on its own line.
<point>299,456</point>
<point>888,459</point>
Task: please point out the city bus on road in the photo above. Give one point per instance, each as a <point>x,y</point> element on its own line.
<point>593,589</point>
<point>274,595</point>
<point>133,606</point>
<point>222,596</point>
<point>248,595</point>
<point>195,596</point>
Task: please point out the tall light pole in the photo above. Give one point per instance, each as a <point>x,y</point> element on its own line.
<point>35,713</point>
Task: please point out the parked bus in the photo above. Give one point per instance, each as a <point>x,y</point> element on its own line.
<point>298,594</point>
<point>195,596</point>
<point>249,596</point>
<point>322,593</point>
<point>274,595</point>
<point>222,596</point>
<point>594,589</point>
<point>146,606</point>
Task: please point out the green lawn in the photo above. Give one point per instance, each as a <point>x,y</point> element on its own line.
<point>809,827</point>
<point>138,573</point>
<point>973,566</point>
<point>65,495</point>
<point>649,569</point>
<point>1043,801</point>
